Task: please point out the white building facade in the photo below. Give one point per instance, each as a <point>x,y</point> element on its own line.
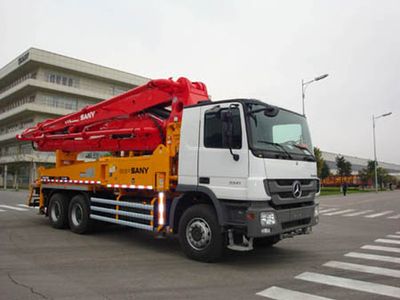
<point>40,85</point>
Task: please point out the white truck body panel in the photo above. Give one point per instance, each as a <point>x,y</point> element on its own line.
<point>289,169</point>
<point>257,175</point>
<point>189,147</point>
<point>228,178</point>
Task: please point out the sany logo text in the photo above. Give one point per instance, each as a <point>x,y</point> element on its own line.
<point>87,116</point>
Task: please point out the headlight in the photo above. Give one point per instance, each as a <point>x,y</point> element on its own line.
<point>267,219</point>
<point>316,211</point>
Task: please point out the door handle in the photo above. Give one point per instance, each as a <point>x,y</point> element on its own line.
<point>205,180</point>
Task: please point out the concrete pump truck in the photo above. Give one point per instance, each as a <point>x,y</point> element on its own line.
<point>224,174</point>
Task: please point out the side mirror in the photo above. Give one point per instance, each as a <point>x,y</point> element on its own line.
<point>271,111</point>
<point>227,131</point>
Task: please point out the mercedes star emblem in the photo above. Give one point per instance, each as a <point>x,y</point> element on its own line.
<point>296,189</point>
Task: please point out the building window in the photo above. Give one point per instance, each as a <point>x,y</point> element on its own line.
<point>84,103</point>
<point>11,128</point>
<point>58,101</point>
<point>31,75</point>
<point>63,80</point>
<point>26,149</point>
<point>16,103</point>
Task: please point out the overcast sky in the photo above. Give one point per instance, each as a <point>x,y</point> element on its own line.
<point>252,49</point>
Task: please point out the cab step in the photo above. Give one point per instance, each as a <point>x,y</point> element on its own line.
<point>34,202</point>
<point>33,198</point>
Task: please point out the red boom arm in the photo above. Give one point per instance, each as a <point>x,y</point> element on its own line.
<point>133,121</point>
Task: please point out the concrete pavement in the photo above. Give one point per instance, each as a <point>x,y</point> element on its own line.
<point>39,262</point>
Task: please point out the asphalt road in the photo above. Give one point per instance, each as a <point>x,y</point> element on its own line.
<point>342,259</point>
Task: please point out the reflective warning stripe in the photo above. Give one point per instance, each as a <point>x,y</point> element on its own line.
<point>98,182</point>
<point>47,180</point>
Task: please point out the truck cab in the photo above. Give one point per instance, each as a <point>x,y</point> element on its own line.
<point>255,162</point>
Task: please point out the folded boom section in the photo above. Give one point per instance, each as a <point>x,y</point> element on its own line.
<point>134,121</point>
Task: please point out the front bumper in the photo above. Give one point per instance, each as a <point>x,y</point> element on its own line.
<point>290,221</point>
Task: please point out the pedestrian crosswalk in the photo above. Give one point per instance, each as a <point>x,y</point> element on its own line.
<point>395,217</point>
<point>278,293</point>
<point>384,213</point>
<point>381,248</point>
<point>384,258</point>
<point>387,241</point>
<point>338,212</point>
<point>352,212</point>
<point>358,213</point>
<point>363,268</point>
<point>393,236</point>
<point>14,208</point>
<point>353,284</point>
<point>373,285</point>
<point>10,207</point>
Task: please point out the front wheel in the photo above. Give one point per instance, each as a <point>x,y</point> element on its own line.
<point>78,215</point>
<point>200,235</point>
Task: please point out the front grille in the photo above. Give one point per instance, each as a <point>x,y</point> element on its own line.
<point>289,182</point>
<point>283,187</point>
<point>291,205</point>
<point>297,223</point>
<point>285,195</point>
<point>281,190</point>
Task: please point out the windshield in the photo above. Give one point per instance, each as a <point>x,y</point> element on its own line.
<point>283,136</point>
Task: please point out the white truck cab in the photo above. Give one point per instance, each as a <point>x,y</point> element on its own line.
<point>255,162</point>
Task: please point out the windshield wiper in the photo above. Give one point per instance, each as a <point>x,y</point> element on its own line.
<point>301,147</point>
<point>277,145</point>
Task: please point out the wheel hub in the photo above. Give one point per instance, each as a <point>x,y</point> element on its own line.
<point>198,234</point>
<point>55,211</point>
<point>76,214</point>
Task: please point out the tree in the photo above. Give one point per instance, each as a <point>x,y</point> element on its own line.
<point>384,178</point>
<point>364,176</point>
<point>320,161</point>
<point>348,169</point>
<point>368,174</point>
<point>325,171</point>
<point>343,166</point>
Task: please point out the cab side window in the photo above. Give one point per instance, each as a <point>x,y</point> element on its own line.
<point>213,130</point>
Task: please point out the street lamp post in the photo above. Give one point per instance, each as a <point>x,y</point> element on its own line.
<point>375,159</point>
<point>304,85</point>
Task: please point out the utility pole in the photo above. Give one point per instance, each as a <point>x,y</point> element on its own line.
<point>375,159</point>
<point>304,85</point>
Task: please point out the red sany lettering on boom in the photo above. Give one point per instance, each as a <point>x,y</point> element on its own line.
<point>88,115</point>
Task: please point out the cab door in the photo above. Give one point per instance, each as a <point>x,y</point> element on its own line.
<point>218,170</point>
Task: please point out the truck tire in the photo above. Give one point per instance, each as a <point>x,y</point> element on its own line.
<point>266,241</point>
<point>200,235</point>
<point>78,215</point>
<point>58,211</point>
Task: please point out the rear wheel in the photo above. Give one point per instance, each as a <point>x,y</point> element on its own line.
<point>200,235</point>
<point>78,215</point>
<point>58,211</point>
